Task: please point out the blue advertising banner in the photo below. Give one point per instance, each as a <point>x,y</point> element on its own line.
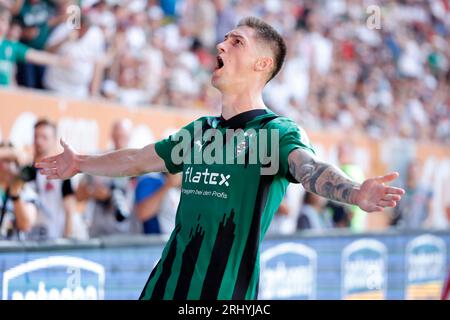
<point>425,264</point>
<point>345,266</point>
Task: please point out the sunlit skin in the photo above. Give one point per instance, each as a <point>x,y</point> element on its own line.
<point>244,65</point>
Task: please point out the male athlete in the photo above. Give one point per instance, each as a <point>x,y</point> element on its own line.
<point>225,209</point>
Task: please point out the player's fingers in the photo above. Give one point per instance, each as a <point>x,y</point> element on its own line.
<point>63,143</point>
<point>52,176</point>
<point>49,171</point>
<point>390,203</point>
<point>44,165</point>
<point>387,178</point>
<point>394,190</point>
<point>391,197</point>
<point>48,159</point>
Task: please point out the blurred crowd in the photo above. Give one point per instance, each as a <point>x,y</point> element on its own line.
<point>34,208</point>
<point>350,66</point>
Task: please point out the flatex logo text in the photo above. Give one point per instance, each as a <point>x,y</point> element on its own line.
<point>206,177</point>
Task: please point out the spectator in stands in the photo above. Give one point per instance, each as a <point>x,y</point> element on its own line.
<point>226,18</point>
<point>346,152</point>
<point>285,219</point>
<point>15,31</point>
<point>12,52</point>
<point>341,215</point>
<point>199,17</point>
<point>414,210</point>
<point>110,200</point>
<point>37,17</point>
<point>313,215</point>
<point>86,48</point>
<point>7,151</point>
<point>338,74</point>
<point>18,202</point>
<point>57,214</point>
<point>156,199</point>
<point>153,67</point>
<point>130,88</point>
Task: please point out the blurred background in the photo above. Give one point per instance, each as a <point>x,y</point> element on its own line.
<point>368,80</point>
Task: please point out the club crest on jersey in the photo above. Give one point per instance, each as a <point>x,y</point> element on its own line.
<point>212,146</point>
<point>241,147</point>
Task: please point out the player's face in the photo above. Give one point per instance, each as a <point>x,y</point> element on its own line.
<point>236,59</point>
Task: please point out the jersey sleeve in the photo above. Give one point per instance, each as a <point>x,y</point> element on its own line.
<point>182,138</point>
<point>292,137</point>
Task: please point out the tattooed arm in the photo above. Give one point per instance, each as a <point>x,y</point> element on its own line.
<point>328,181</point>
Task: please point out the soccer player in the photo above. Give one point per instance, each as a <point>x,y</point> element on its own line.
<point>225,209</point>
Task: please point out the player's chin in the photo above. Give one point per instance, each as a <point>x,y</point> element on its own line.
<point>215,81</point>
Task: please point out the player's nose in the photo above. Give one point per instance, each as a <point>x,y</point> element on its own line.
<point>221,47</point>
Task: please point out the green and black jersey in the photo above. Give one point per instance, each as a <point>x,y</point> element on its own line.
<point>223,214</point>
<point>10,53</point>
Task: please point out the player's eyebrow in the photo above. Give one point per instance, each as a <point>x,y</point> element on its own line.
<point>235,35</point>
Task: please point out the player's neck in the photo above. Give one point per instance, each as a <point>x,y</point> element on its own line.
<point>233,104</point>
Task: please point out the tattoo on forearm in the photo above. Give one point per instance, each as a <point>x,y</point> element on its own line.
<point>321,178</point>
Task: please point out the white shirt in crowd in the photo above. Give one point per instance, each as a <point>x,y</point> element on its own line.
<point>287,224</point>
<point>51,215</point>
<point>100,216</point>
<point>75,80</point>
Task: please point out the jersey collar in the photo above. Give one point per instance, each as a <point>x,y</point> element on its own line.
<point>241,119</point>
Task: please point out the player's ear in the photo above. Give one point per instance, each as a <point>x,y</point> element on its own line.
<point>264,64</point>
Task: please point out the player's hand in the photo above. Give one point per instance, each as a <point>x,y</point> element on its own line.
<point>374,195</point>
<point>61,166</point>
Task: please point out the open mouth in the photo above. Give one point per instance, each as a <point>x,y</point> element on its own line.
<point>219,64</point>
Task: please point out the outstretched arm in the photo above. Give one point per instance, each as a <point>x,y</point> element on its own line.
<point>46,58</point>
<point>328,181</point>
<point>120,163</point>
